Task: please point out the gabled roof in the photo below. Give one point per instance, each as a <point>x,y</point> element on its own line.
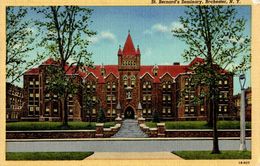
<point>33,71</point>
<point>172,70</point>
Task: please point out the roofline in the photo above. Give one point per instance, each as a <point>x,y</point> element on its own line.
<point>145,74</point>
<point>165,74</point>
<point>109,74</point>
<point>89,74</point>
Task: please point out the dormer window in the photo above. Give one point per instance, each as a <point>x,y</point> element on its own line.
<point>102,70</point>
<point>155,70</point>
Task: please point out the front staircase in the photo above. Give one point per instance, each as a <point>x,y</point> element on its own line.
<point>130,129</point>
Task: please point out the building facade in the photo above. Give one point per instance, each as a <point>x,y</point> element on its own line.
<point>128,90</point>
<point>14,102</point>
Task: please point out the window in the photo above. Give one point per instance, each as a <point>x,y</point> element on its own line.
<point>149,111</point>
<point>108,86</point>
<point>94,98</point>
<point>191,109</point>
<point>164,97</point>
<point>31,82</point>
<point>144,111</point>
<point>144,98</point>
<point>47,110</point>
<point>225,82</point>
<point>71,110</point>
<point>114,98</point>
<point>94,86</point>
<point>149,86</point>
<point>149,98</point>
<point>220,82</point>
<point>144,86</point>
<point>31,109</point>
<point>31,94</point>
<point>164,111</point>
<point>108,98</point>
<point>37,95</point>
<point>114,111</point>
<point>94,111</point>
<point>55,110</point>
<point>36,82</point>
<point>186,109</point>
<point>202,109</point>
<point>225,108</point>
<point>169,86</point>
<point>164,86</point>
<point>169,110</point>
<point>37,109</point>
<point>169,98</point>
<point>219,108</point>
<point>186,81</point>
<point>114,86</point>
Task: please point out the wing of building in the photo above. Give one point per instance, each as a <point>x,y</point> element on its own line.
<point>127,89</point>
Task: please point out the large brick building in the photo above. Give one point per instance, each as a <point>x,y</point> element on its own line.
<point>14,102</point>
<point>127,89</point>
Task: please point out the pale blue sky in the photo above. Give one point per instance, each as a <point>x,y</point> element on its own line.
<point>150,29</point>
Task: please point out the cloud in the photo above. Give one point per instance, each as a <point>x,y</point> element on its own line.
<point>104,36</point>
<point>161,28</point>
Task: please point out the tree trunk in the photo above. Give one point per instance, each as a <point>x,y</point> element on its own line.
<point>210,113</point>
<point>213,99</point>
<point>65,117</point>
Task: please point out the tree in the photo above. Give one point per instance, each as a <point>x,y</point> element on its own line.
<point>156,116</point>
<point>217,35</point>
<point>65,36</point>
<point>19,42</point>
<point>101,118</point>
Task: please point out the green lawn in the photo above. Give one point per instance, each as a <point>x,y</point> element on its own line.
<point>14,126</point>
<point>199,124</point>
<point>47,155</point>
<point>190,155</point>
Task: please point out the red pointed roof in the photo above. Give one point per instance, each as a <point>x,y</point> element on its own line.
<point>129,48</point>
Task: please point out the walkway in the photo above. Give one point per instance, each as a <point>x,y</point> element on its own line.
<point>133,155</point>
<point>122,145</point>
<point>130,129</point>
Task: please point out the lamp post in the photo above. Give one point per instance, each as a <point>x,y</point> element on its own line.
<point>242,81</point>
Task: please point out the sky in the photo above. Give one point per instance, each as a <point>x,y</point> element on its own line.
<point>150,28</point>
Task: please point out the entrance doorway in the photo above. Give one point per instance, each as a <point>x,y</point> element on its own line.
<point>129,113</point>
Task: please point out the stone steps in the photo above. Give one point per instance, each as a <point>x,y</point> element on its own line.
<point>130,129</point>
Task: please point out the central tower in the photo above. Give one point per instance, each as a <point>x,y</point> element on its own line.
<point>129,82</point>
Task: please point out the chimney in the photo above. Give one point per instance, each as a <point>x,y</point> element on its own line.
<point>176,63</point>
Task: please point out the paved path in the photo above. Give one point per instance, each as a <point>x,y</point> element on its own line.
<point>130,145</point>
<point>133,155</point>
<point>130,129</point>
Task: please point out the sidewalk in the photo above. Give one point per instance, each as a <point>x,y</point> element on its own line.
<point>133,155</point>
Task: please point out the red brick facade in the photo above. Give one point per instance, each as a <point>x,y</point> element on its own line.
<point>120,89</point>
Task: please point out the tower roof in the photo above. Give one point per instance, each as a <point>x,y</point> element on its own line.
<point>129,48</point>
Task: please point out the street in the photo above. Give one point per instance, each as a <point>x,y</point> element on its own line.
<point>122,145</point>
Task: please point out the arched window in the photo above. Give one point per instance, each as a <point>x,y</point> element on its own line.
<point>133,80</point>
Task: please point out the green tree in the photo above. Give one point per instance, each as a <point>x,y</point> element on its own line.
<point>19,42</point>
<point>101,118</point>
<point>156,116</point>
<point>216,34</point>
<point>65,36</point>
